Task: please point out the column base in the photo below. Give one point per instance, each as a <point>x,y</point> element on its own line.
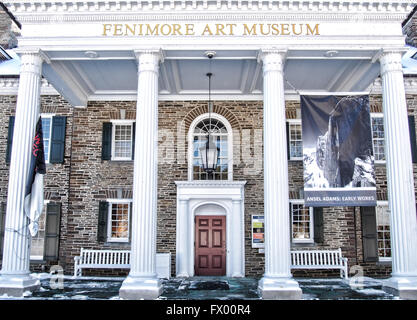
<point>15,285</point>
<point>140,288</point>
<point>403,286</point>
<point>271,288</point>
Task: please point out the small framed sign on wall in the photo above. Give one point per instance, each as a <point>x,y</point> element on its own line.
<point>258,232</point>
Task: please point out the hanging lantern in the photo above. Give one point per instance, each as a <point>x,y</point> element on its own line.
<point>209,155</point>
<point>209,152</point>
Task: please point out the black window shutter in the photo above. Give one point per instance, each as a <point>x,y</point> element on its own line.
<point>102,221</point>
<point>369,234</point>
<point>106,143</point>
<point>133,139</point>
<point>412,129</point>
<point>53,222</point>
<point>10,139</point>
<point>2,226</point>
<point>57,140</point>
<point>318,221</point>
<point>288,139</point>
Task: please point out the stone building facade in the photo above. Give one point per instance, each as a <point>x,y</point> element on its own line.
<point>84,179</point>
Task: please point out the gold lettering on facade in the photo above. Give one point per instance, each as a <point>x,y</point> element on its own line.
<point>207,29</point>
<point>217,29</point>
<point>314,31</point>
<point>247,31</point>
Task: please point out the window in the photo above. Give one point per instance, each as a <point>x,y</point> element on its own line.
<point>122,140</point>
<point>45,244</point>
<point>221,133</point>
<point>118,220</point>
<point>46,131</point>
<point>295,140</point>
<point>38,241</point>
<point>377,125</point>
<point>383,231</point>
<point>301,222</point>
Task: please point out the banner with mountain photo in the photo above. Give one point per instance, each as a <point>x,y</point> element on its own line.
<point>337,151</point>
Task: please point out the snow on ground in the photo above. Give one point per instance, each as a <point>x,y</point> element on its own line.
<point>102,288</point>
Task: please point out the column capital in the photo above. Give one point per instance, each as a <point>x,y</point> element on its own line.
<point>390,60</point>
<point>268,51</point>
<point>37,52</point>
<point>273,58</point>
<point>157,53</point>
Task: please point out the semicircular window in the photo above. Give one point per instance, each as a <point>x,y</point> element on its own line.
<point>220,135</point>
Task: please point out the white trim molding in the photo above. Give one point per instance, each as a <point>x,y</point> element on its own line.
<point>63,11</point>
<point>228,197</point>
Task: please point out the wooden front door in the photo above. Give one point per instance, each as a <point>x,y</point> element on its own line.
<point>210,246</point>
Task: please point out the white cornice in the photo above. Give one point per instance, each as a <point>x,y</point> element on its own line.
<point>122,10</point>
<point>410,85</point>
<point>10,86</point>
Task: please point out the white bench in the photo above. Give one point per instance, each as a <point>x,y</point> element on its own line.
<point>115,259</point>
<point>320,259</point>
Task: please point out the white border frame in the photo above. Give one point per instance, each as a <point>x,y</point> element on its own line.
<point>383,203</point>
<point>295,121</point>
<point>40,258</point>
<point>48,116</point>
<point>120,122</point>
<point>311,210</point>
<point>229,144</point>
<point>191,195</point>
<point>108,232</point>
<point>378,115</point>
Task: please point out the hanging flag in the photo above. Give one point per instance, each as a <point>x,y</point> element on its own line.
<point>34,188</point>
<point>337,151</point>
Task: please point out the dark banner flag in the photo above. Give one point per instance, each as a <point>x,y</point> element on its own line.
<point>337,151</point>
<point>34,188</point>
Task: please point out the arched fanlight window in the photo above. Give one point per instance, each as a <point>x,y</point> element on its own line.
<point>220,134</point>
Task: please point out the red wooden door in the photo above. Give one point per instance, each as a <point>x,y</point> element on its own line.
<point>210,246</point>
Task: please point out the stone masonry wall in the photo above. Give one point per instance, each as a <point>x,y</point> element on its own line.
<point>57,175</point>
<point>91,180</point>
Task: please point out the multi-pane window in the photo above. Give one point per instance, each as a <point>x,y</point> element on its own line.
<point>295,140</point>
<point>301,222</point>
<point>220,136</point>
<point>383,232</point>
<point>122,140</point>
<point>46,132</point>
<point>38,241</point>
<point>377,122</point>
<point>118,224</point>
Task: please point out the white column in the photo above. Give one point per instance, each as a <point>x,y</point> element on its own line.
<point>237,236</point>
<point>183,241</point>
<point>277,282</point>
<point>142,282</point>
<point>15,276</point>
<point>401,195</point>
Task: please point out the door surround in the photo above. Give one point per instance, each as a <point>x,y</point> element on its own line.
<point>194,198</point>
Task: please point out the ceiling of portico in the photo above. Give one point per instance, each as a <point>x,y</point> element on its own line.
<point>342,57</point>
<point>112,75</point>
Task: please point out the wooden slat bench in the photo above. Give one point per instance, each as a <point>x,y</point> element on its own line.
<point>320,259</point>
<point>116,259</point>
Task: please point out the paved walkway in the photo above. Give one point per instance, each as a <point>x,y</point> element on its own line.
<point>203,288</point>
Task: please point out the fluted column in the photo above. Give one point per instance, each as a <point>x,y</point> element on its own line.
<point>142,282</point>
<point>15,276</point>
<point>277,282</point>
<point>401,195</point>
<point>183,242</point>
<point>237,236</point>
